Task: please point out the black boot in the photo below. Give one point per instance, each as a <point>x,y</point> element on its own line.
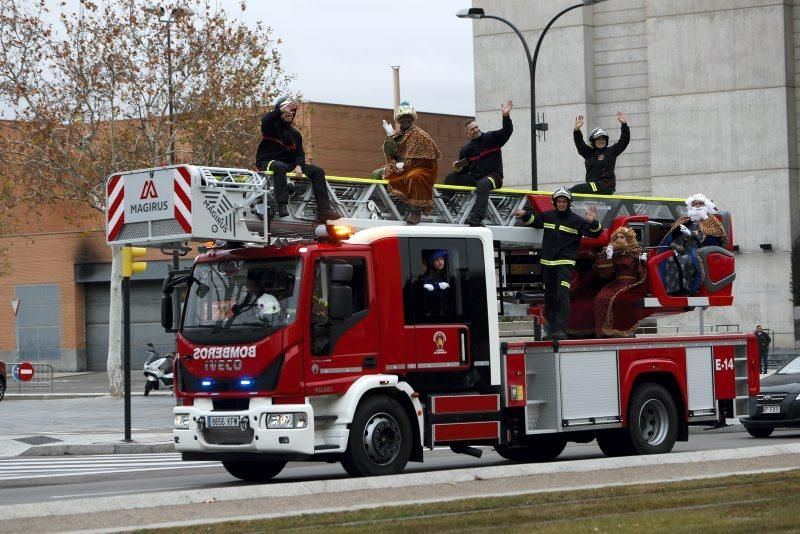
<point>283,210</point>
<point>327,215</point>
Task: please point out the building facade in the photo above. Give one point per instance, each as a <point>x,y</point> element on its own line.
<point>710,90</point>
<point>57,288</point>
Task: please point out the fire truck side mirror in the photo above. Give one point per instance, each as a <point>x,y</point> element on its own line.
<point>340,305</point>
<point>341,273</point>
<point>166,311</point>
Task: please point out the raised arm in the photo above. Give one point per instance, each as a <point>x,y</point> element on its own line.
<point>272,115</point>
<point>501,136</point>
<point>583,149</point>
<point>625,135</point>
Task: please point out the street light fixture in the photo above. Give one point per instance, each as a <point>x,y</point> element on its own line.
<point>478,13</point>
<point>174,14</point>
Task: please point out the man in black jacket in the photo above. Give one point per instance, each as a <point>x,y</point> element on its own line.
<point>600,158</point>
<point>763,340</point>
<point>281,150</point>
<point>563,230</point>
<point>480,163</point>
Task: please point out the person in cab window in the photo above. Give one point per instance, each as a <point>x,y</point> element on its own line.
<point>281,151</point>
<point>411,163</point>
<point>599,158</point>
<point>480,163</point>
<point>563,230</point>
<point>435,285</point>
<point>615,303</point>
<point>253,289</point>
<point>683,274</point>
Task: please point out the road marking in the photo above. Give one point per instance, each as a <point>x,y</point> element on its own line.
<point>48,466</point>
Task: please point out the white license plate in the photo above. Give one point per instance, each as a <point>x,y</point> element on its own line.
<point>771,409</point>
<point>223,420</point>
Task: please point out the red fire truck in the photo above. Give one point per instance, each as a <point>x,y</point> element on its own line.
<point>327,348</point>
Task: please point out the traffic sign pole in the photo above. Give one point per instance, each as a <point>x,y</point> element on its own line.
<point>126,353</point>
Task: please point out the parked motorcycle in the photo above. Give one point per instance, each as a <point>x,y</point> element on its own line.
<point>157,369</point>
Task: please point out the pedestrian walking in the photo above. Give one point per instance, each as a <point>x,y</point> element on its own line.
<point>763,347</point>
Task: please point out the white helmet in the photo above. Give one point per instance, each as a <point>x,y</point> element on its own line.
<point>597,132</point>
<point>267,306</point>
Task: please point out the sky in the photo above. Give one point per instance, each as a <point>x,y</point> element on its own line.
<point>342,51</point>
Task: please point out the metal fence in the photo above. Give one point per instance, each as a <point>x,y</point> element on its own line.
<point>42,377</point>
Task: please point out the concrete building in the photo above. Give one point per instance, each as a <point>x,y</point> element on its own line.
<point>59,269</point>
<point>710,90</point>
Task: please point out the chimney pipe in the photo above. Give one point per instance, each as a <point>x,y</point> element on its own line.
<point>396,75</point>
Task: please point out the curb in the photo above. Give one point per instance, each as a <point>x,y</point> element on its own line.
<point>62,396</point>
<point>99,448</point>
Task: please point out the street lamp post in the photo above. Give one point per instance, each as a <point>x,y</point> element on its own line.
<point>478,13</point>
<point>174,13</point>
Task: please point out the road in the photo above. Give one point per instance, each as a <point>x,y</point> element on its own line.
<point>45,479</point>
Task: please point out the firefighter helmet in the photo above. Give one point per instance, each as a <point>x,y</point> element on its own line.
<point>597,132</point>
<point>267,306</point>
<point>561,192</point>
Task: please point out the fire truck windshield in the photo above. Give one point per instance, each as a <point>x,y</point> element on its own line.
<point>251,298</point>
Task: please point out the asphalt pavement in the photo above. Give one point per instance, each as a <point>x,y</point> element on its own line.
<point>78,416</point>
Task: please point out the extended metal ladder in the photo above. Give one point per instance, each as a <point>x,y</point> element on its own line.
<point>181,203</point>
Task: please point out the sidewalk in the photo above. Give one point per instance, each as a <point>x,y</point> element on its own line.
<point>79,418</point>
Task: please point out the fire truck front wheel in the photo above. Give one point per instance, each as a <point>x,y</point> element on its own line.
<point>380,439</point>
<point>254,471</point>
<point>652,419</point>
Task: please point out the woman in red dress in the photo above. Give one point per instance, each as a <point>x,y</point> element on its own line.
<point>615,304</point>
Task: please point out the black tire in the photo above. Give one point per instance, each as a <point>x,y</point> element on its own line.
<point>760,431</point>
<point>615,443</point>
<point>380,439</point>
<point>652,420</point>
<point>2,388</point>
<point>536,450</point>
<point>147,387</point>
<point>254,471</point>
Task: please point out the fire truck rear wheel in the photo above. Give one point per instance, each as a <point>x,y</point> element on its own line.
<point>254,471</point>
<point>537,450</point>
<point>380,439</point>
<point>652,420</point>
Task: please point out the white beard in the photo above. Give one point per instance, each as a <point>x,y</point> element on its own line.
<point>698,214</point>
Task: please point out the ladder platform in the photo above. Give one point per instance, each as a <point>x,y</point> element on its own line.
<point>180,203</point>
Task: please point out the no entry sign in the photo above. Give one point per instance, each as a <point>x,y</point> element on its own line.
<point>23,371</point>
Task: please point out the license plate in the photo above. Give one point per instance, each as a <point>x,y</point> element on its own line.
<point>223,420</point>
<point>771,409</point>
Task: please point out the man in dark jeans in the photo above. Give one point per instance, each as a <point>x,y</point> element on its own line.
<point>480,164</point>
<point>763,347</point>
<point>600,159</point>
<point>281,151</point>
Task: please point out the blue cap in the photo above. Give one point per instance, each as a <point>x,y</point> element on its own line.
<point>436,254</point>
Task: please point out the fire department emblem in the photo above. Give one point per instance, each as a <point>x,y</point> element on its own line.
<point>439,339</point>
<point>315,369</point>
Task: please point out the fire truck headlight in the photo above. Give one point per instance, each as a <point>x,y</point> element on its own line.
<point>287,420</point>
<point>182,421</point>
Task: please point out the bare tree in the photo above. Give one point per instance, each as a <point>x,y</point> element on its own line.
<point>89,97</point>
